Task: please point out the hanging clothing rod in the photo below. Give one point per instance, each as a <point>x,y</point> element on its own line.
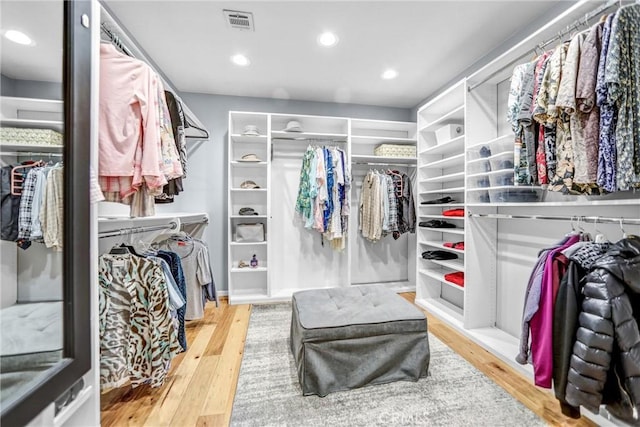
<point>577,218</point>
<point>29,153</point>
<point>576,24</point>
<point>123,41</point>
<point>136,230</point>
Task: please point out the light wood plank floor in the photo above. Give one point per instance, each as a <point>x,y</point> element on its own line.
<point>202,382</point>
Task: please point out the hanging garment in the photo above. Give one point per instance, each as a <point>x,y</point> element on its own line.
<point>542,321</point>
<point>605,354</point>
<point>525,142</point>
<point>566,310</point>
<point>10,207</point>
<point>51,212</point>
<point>197,273</point>
<point>540,159</point>
<point>173,259</point>
<point>26,207</point>
<point>515,91</point>
<point>587,167</point>
<point>622,79</point>
<point>137,336</point>
<point>607,151</point>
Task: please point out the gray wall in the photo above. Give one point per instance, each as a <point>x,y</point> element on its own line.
<point>30,88</point>
<point>7,86</point>
<point>206,184</point>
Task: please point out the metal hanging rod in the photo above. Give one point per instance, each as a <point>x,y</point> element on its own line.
<point>136,230</point>
<point>598,219</point>
<point>29,153</point>
<point>576,24</point>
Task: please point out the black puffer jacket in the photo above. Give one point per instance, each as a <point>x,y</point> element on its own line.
<point>607,347</point>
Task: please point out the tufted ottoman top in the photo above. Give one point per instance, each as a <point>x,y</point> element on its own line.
<point>353,312</point>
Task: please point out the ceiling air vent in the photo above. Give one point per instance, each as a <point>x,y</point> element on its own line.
<point>239,20</point>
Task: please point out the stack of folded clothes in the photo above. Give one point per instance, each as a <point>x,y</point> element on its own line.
<point>436,223</point>
<point>456,245</point>
<point>440,201</point>
<point>439,255</point>
<point>456,278</point>
<point>453,212</point>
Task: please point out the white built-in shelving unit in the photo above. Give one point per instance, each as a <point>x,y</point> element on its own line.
<point>291,254</point>
<point>441,173</point>
<point>248,284</point>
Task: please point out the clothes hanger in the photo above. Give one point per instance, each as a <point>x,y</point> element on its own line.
<point>119,250</point>
<point>624,233</point>
<point>600,238</point>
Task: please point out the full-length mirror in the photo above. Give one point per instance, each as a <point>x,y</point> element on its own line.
<point>45,215</point>
<point>31,315</point>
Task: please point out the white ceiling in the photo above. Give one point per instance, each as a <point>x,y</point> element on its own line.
<point>427,42</point>
<point>42,21</point>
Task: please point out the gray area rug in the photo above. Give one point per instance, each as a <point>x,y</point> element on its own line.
<point>454,394</point>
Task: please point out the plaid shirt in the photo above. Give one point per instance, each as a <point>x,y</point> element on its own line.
<point>26,203</point>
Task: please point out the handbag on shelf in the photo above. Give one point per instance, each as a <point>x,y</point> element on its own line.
<point>250,233</point>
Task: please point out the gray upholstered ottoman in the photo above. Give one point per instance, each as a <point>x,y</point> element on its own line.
<point>344,338</point>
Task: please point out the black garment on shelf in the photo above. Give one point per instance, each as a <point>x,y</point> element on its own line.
<point>436,223</point>
<point>10,207</point>
<point>440,201</point>
<point>439,255</point>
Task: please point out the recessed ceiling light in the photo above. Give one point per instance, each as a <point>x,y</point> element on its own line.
<point>389,74</point>
<point>18,37</point>
<point>327,39</point>
<point>240,60</point>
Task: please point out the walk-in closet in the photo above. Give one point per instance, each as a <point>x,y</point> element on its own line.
<point>319,213</point>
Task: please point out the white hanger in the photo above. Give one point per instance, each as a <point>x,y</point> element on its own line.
<point>624,233</point>
<point>600,238</point>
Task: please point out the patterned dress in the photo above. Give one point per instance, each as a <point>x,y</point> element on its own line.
<point>622,77</point>
<point>607,152</point>
<point>137,336</point>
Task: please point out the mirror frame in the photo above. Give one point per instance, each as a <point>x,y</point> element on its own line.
<point>76,267</point>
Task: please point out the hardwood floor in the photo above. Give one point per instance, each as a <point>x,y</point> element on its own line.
<point>201,385</point>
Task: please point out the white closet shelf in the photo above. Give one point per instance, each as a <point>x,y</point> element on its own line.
<point>440,245</point>
<point>444,191</point>
<point>247,216</point>
<point>445,178</point>
<point>455,114</point>
<point>249,270</point>
<point>33,124</point>
<point>493,157</point>
<point>443,205</point>
<point>32,148</point>
<point>236,163</point>
<point>439,276</point>
<point>453,264</point>
<point>356,139</point>
<point>442,309</point>
<point>506,187</point>
<point>441,217</point>
<point>279,134</point>
<point>507,137</point>
<point>364,125</point>
<point>248,243</point>
<point>453,146</point>
<point>447,162</point>
<point>15,103</point>
<point>383,159</point>
<point>621,202</point>
<point>488,174</point>
<point>261,139</point>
